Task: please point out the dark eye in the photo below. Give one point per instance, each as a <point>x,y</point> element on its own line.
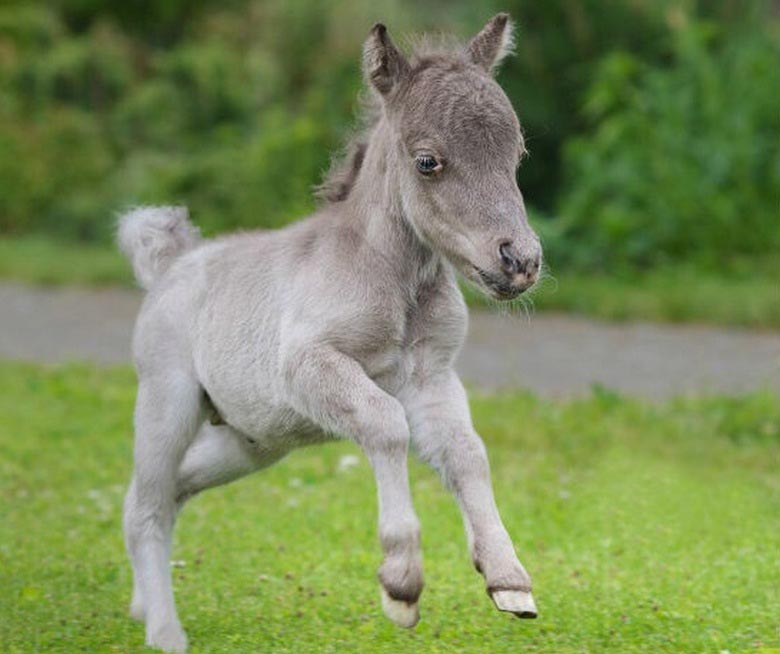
<point>427,164</point>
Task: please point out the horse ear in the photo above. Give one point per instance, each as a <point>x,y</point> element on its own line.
<point>493,43</point>
<point>383,65</point>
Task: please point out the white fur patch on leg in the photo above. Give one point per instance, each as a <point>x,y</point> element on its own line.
<point>519,602</point>
<point>401,613</point>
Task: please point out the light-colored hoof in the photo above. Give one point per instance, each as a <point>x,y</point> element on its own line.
<point>170,639</point>
<point>401,613</point>
<point>519,602</point>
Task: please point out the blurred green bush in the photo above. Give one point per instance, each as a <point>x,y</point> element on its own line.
<point>96,116</point>
<point>682,161</point>
<point>651,123</point>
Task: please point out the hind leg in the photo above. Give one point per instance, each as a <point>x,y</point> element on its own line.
<point>217,456</point>
<point>167,414</point>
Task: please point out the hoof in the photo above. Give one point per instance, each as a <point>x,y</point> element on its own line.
<point>519,602</point>
<point>401,613</point>
<point>170,639</point>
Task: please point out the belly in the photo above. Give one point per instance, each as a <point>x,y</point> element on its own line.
<point>237,362</point>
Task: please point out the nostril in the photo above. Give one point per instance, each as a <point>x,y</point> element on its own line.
<point>509,260</point>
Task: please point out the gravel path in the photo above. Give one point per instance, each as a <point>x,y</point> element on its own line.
<point>552,355</point>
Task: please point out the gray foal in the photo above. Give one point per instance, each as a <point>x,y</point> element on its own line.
<point>346,323</point>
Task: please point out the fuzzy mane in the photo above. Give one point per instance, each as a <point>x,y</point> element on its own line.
<point>345,166</point>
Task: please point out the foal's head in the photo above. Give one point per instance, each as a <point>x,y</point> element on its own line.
<point>457,144</point>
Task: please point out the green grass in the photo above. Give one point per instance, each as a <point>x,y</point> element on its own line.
<point>646,527</point>
<point>41,260</point>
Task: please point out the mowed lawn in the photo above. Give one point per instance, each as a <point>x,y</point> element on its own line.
<point>646,527</point>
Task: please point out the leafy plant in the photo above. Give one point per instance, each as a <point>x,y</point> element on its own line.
<point>682,161</point>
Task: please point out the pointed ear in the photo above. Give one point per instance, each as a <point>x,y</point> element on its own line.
<point>492,44</point>
<point>383,65</point>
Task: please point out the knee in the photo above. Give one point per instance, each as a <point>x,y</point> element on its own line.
<point>464,457</point>
<point>381,431</point>
<point>471,449</point>
<point>390,443</point>
<point>146,511</point>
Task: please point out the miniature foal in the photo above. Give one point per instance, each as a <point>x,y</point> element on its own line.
<point>347,323</point>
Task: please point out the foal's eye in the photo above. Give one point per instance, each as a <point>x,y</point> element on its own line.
<point>427,164</point>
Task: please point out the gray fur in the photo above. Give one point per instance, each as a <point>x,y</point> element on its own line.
<point>347,323</point>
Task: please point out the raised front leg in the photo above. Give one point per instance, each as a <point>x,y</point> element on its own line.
<point>333,390</point>
<point>444,437</point>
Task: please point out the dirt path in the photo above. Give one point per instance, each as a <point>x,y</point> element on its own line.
<point>552,355</point>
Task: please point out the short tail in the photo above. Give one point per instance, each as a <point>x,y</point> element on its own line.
<point>153,237</point>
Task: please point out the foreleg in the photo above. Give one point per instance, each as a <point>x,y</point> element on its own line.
<point>333,390</point>
<point>443,436</point>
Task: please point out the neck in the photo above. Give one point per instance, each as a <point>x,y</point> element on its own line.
<point>375,200</point>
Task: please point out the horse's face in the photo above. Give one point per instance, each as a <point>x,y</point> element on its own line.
<point>458,146</point>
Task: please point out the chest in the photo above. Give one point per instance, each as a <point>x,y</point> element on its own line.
<point>421,339</point>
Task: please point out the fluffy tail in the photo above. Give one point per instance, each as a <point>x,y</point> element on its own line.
<point>152,237</point>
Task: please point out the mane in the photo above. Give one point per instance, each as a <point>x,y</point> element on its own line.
<point>338,181</point>
<point>345,165</point>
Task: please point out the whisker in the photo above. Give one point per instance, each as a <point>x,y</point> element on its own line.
<point>546,278</point>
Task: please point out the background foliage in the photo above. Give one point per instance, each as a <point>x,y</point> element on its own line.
<point>653,126</point>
